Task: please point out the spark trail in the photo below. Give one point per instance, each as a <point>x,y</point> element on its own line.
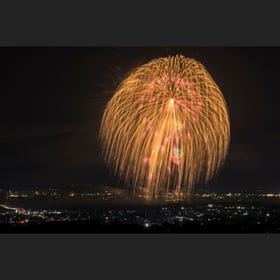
<point>167,127</point>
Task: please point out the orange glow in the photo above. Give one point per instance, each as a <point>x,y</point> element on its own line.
<point>166,128</point>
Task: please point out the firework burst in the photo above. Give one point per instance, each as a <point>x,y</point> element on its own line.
<point>167,127</point>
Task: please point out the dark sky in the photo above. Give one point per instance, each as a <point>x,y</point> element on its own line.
<point>52,100</point>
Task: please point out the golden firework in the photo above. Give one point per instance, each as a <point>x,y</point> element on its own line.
<point>167,127</point>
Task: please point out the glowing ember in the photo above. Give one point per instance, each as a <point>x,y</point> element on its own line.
<point>167,127</point>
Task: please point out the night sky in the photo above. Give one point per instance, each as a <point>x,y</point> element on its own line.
<point>52,100</point>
